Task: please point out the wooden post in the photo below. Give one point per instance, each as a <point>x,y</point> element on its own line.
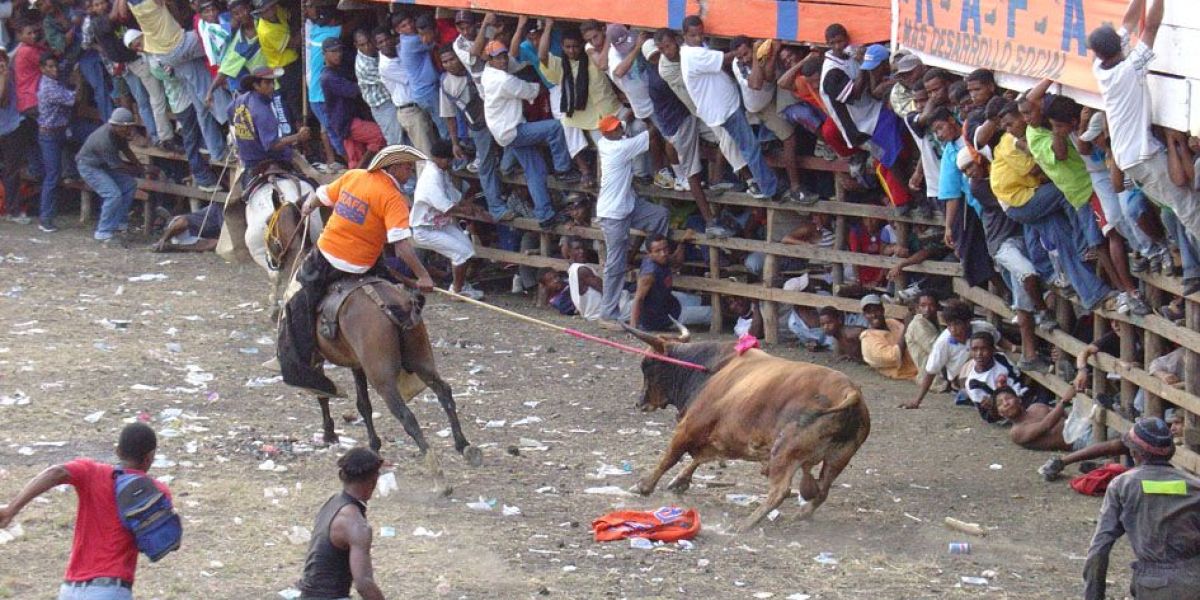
<point>770,310</point>
<point>1153,348</point>
<point>1128,389</point>
<point>901,228</point>
<point>1099,381</point>
<point>839,243</point>
<point>85,205</point>
<point>714,272</point>
<point>1191,376</point>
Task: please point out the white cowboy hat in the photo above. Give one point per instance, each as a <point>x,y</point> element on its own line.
<point>394,155</point>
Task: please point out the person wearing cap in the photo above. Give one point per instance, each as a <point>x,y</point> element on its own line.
<point>321,23</point>
<point>214,30</point>
<point>281,49</point>
<point>754,69</point>
<point>255,124</point>
<point>472,37</point>
<point>882,342</point>
<point>504,96</point>
<point>437,201</point>
<point>1157,507</point>
<point>109,167</point>
<point>619,209</point>
<point>186,116</point>
<point>460,95</point>
<point>414,121</point>
<point>369,212</point>
<point>343,99</point>
<point>866,123</point>
<point>584,94</point>
<point>682,130</point>
<point>1122,69</point>
<point>719,105</point>
<point>907,71</point>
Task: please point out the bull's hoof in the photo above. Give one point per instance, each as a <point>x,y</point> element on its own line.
<point>473,455</point>
<point>679,486</point>
<point>642,488</point>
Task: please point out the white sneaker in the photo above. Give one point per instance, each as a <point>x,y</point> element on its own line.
<point>517,286</point>
<point>664,179</point>
<point>469,291</point>
<point>473,167</point>
<point>682,185</point>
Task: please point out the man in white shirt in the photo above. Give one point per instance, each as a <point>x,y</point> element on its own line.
<point>618,210</point>
<point>461,96</point>
<point>413,120</point>
<point>950,352</point>
<point>754,69</point>
<point>472,36</point>
<point>628,72</point>
<point>504,110</point>
<point>719,105</point>
<point>1121,74</point>
<point>435,202</point>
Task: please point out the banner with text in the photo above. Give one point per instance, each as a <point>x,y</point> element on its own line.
<point>1033,38</point>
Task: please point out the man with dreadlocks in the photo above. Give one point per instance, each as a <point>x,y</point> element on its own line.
<point>587,94</point>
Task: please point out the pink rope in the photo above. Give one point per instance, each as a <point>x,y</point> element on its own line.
<point>654,355</point>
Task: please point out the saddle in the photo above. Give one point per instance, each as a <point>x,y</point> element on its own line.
<point>341,289</point>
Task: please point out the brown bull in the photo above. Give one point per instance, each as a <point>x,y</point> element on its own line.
<point>787,415</point>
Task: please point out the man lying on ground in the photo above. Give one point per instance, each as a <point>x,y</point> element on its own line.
<point>882,343</point>
<point>194,232</point>
<point>1041,427</point>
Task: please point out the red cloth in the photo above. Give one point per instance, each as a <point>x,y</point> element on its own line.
<point>1096,482</point>
<point>102,546</point>
<point>365,136</point>
<point>667,524</point>
<point>28,74</point>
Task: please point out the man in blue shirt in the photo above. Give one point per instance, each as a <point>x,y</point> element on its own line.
<point>416,42</point>
<point>255,123</point>
<point>343,107</point>
<point>320,26</point>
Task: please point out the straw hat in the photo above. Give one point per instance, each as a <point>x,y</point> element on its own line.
<point>394,155</point>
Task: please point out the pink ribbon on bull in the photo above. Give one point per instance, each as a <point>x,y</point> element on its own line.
<point>745,343</point>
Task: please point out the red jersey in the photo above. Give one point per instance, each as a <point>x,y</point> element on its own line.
<point>28,74</point>
<point>102,546</point>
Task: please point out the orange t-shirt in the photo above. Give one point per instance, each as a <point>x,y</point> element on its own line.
<point>368,211</point>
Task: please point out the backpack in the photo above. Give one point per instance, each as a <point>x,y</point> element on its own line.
<point>148,514</point>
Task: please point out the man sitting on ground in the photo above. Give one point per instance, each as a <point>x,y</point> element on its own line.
<point>339,554</point>
<point>882,343</point>
<point>920,334</point>
<point>949,352</point>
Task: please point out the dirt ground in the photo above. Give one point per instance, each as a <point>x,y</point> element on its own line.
<point>189,360</point>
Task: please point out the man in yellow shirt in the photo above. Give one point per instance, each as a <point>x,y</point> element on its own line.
<point>883,345</point>
<point>369,212</point>
<point>280,48</point>
<point>1028,198</point>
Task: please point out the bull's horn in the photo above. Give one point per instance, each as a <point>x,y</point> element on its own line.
<point>650,339</point>
<point>685,336</point>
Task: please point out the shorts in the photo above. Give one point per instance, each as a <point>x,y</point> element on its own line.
<point>206,223</point>
<point>1014,264</point>
<point>1083,441</point>
<point>686,142</point>
<point>775,122</point>
<point>449,241</point>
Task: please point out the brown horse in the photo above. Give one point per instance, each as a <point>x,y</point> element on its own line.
<point>390,357</point>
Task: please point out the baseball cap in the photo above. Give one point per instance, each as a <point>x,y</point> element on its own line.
<point>121,116</point>
<point>875,55</point>
<point>649,49</point>
<point>869,300</point>
<point>1095,127</point>
<point>907,64</point>
<point>464,16</point>
<point>609,123</point>
<point>495,48</point>
<point>131,35</point>
<point>618,35</point>
<point>332,43</point>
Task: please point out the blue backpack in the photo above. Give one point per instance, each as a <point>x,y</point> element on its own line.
<point>148,514</point>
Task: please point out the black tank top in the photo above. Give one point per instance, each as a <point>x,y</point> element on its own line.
<point>327,567</point>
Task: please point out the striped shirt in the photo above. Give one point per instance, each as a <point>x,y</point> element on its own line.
<point>366,68</point>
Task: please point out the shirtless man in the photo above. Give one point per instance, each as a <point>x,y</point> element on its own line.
<point>1040,427</point>
<point>845,339</point>
<point>339,554</point>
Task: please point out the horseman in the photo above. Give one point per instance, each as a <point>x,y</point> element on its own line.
<point>369,211</point>
<point>257,124</point>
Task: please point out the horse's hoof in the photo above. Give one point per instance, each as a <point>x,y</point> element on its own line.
<point>443,491</point>
<point>332,439</point>
<point>473,455</point>
<point>376,444</point>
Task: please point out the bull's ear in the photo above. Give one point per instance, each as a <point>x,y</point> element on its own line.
<point>657,343</point>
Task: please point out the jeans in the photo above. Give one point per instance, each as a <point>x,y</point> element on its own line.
<point>189,128</point>
<point>429,104</point>
<point>93,72</point>
<point>385,116</point>
<point>318,110</point>
<point>51,145</point>
<point>1187,244</point>
<point>1153,176</point>
<point>94,592</point>
<point>116,191</point>
<point>692,310</point>
<point>152,88</point>
<point>534,165</point>
<point>1085,216</point>
<point>142,98</point>
<point>488,154</point>
<point>1049,219</point>
<point>645,216</point>
<point>739,129</point>
<point>549,133</point>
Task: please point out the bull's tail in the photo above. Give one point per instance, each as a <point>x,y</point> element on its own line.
<point>851,399</point>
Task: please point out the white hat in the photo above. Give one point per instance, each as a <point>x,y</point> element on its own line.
<point>131,35</point>
<point>649,49</point>
<point>868,300</point>
<point>964,158</point>
<point>394,155</point>
<point>1095,127</point>
<point>796,284</point>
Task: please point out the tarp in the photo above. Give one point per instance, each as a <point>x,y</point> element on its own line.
<point>1032,38</point>
<point>792,20</point>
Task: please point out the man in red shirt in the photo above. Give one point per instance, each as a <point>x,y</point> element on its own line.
<point>104,554</point>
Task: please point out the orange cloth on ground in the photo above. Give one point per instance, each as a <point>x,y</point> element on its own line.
<point>369,211</point>
<point>667,524</point>
<point>881,350</point>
